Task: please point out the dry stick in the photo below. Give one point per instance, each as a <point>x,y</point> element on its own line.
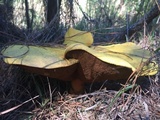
<point>146,110</point>
<point>15,107</point>
<point>153,13</point>
<point>82,96</point>
<point>136,74</point>
<point>9,35</point>
<point>158,4</point>
<point>133,77</point>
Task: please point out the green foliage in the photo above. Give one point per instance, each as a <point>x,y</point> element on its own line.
<point>120,92</point>
<point>107,17</point>
<point>1,2</point>
<point>36,13</point>
<point>96,15</point>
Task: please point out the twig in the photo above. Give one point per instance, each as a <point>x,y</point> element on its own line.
<point>16,107</point>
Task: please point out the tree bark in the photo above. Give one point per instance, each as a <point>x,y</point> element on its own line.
<point>153,13</point>
<point>27,15</point>
<point>53,7</point>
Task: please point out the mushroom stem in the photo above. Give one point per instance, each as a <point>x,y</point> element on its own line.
<point>77,86</point>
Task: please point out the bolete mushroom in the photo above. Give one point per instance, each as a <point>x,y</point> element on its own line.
<point>79,62</point>
<point>45,61</point>
<point>113,62</point>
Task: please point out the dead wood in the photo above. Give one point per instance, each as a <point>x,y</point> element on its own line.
<point>153,13</point>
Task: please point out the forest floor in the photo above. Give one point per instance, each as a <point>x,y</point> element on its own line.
<point>26,96</point>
